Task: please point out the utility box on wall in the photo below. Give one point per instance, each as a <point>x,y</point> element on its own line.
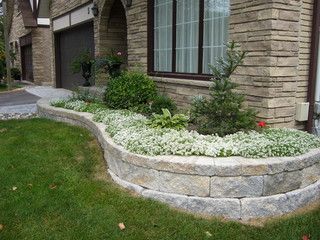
<point>302,112</point>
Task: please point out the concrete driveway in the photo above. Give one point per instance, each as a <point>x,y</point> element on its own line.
<point>24,101</point>
<point>19,97</point>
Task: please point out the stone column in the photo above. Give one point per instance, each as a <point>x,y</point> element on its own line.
<point>269,31</point>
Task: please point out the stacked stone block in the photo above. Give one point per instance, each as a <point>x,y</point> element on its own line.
<point>233,187</point>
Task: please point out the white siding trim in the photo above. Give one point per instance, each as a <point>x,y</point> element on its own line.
<point>75,17</point>
<point>61,23</point>
<point>82,14</point>
<point>43,21</point>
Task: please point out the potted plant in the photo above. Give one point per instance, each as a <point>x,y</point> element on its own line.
<point>111,63</point>
<point>83,63</point>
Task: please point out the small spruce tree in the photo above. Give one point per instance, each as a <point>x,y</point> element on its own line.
<point>223,113</point>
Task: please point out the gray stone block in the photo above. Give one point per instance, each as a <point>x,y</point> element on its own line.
<point>174,200</point>
<point>228,167</point>
<point>144,177</point>
<point>223,207</point>
<point>310,175</point>
<point>302,197</point>
<point>193,165</point>
<point>261,207</point>
<point>282,182</point>
<point>125,184</point>
<point>236,187</point>
<point>253,167</point>
<point>184,184</point>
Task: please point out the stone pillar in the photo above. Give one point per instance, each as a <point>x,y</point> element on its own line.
<point>269,31</point>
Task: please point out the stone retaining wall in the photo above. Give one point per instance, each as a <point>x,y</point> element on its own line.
<point>234,187</point>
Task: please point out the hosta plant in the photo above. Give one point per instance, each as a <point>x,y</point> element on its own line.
<point>167,120</point>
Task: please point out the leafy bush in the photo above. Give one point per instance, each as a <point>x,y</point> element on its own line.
<point>130,89</point>
<point>160,102</point>
<point>84,95</point>
<point>84,57</point>
<point>15,74</point>
<point>111,63</point>
<point>166,120</point>
<point>222,113</point>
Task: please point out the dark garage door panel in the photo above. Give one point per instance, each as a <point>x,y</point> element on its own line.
<point>70,44</point>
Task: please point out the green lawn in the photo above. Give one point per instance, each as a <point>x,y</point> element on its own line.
<point>53,186</point>
<point>4,87</point>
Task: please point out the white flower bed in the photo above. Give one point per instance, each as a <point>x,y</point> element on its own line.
<point>130,130</point>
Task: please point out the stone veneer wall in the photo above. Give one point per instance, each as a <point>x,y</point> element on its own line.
<point>276,35</point>
<point>270,32</point>
<point>41,53</point>
<point>136,31</point>
<point>17,30</point>
<point>42,56</point>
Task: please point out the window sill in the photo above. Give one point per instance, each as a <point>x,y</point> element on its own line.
<point>181,81</point>
<point>189,76</point>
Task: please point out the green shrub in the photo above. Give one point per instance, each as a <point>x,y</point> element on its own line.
<point>166,120</point>
<point>222,113</point>
<point>160,102</point>
<point>84,95</point>
<point>129,90</point>
<point>15,74</point>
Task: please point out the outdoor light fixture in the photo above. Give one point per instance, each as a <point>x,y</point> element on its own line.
<point>95,10</point>
<point>129,3</point>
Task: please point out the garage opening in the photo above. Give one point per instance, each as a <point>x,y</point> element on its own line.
<point>69,45</point>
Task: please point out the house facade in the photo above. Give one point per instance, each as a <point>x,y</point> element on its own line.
<point>174,41</point>
<point>30,40</point>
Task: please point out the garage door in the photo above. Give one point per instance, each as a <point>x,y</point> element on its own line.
<point>69,44</point>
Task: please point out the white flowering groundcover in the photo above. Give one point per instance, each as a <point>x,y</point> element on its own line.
<point>130,130</point>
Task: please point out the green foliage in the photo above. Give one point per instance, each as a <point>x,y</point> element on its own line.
<point>71,162</point>
<point>160,102</point>
<point>110,63</point>
<point>129,90</point>
<point>155,106</point>
<point>166,120</point>
<point>2,51</point>
<point>222,113</point>
<point>15,73</point>
<point>83,58</point>
<point>84,95</point>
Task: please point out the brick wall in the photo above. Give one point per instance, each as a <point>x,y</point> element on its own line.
<point>136,31</point>
<point>42,56</point>
<point>17,30</point>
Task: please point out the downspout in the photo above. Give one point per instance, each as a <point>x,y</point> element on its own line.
<point>314,75</point>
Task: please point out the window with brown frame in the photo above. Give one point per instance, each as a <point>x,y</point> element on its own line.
<point>186,36</point>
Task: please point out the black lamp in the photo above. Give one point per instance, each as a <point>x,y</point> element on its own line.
<point>129,3</point>
<point>95,10</point>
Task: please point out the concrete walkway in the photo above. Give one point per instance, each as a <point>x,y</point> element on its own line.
<point>23,102</point>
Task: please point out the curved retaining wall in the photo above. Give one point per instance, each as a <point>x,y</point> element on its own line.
<point>233,187</point>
